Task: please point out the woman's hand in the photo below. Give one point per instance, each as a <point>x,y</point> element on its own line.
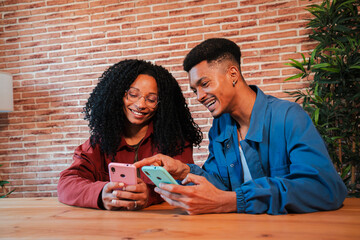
<point>117,196</point>
<point>175,167</point>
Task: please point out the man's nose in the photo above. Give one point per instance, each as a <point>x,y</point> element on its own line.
<point>200,95</point>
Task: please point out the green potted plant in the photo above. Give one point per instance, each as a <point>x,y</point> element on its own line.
<point>2,186</point>
<point>333,72</point>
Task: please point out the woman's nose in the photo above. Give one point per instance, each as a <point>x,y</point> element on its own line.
<point>141,102</point>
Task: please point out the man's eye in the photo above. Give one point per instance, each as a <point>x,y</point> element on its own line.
<point>194,90</point>
<point>204,84</point>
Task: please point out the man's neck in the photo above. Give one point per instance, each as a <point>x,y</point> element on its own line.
<point>243,105</point>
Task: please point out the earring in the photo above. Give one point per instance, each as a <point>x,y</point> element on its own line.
<point>234,83</point>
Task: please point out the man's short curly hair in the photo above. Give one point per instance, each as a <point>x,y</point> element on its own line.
<point>213,49</point>
<point>173,125</point>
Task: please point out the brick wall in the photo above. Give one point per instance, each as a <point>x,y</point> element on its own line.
<point>57,49</point>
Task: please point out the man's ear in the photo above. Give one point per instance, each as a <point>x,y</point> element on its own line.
<point>234,74</point>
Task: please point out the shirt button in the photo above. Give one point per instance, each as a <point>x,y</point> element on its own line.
<point>231,165</point>
<point>228,146</point>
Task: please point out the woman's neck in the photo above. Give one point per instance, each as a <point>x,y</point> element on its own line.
<point>133,134</point>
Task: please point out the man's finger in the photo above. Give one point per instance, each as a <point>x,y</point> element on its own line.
<point>147,162</point>
<point>174,191</point>
<point>192,178</point>
<point>173,202</point>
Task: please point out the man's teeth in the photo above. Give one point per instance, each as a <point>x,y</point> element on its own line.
<point>137,113</point>
<point>210,103</point>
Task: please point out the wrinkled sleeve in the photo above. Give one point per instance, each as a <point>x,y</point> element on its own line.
<point>210,170</point>
<point>81,184</point>
<point>311,182</point>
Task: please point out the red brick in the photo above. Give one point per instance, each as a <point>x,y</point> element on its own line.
<point>293,25</point>
<point>217,7</point>
<point>285,6</point>
<point>278,35</point>
<point>58,2</point>
<point>272,51</point>
<point>273,65</point>
<point>185,11</point>
<point>254,2</point>
<point>291,10</point>
<point>209,21</point>
<point>278,20</point>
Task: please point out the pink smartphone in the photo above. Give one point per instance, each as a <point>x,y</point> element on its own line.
<point>123,172</point>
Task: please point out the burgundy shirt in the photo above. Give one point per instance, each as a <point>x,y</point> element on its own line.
<point>82,183</point>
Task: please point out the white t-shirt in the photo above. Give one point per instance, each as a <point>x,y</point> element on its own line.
<point>247,175</point>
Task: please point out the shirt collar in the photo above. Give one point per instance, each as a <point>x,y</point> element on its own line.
<point>257,120</point>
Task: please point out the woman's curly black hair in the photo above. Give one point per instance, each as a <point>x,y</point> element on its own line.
<point>173,125</point>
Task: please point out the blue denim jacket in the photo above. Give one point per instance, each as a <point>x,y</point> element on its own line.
<point>287,158</point>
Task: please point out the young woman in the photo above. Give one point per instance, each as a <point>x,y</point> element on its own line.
<point>136,111</point>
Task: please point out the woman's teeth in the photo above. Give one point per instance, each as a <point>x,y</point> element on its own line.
<point>137,113</point>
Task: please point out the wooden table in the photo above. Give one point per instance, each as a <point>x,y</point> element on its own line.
<point>46,218</point>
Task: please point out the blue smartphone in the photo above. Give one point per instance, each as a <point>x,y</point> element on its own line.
<point>158,175</point>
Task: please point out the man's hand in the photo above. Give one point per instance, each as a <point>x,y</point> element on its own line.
<point>116,196</point>
<point>203,197</point>
<point>175,167</point>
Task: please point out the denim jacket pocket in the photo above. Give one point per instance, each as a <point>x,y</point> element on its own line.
<point>223,171</point>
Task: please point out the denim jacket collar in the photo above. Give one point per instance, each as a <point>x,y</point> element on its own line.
<point>227,129</point>
<point>257,120</point>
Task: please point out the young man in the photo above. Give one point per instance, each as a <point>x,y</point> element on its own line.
<point>265,154</point>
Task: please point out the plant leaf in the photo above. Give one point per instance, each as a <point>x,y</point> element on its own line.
<point>294,77</point>
<point>2,183</point>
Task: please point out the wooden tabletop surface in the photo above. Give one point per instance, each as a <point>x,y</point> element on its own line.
<point>46,218</point>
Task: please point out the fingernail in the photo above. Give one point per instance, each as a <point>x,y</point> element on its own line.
<point>115,192</point>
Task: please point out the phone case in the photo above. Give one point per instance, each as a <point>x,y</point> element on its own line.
<point>158,175</point>
<point>122,172</point>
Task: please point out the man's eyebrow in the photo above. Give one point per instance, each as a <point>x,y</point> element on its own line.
<point>199,80</point>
